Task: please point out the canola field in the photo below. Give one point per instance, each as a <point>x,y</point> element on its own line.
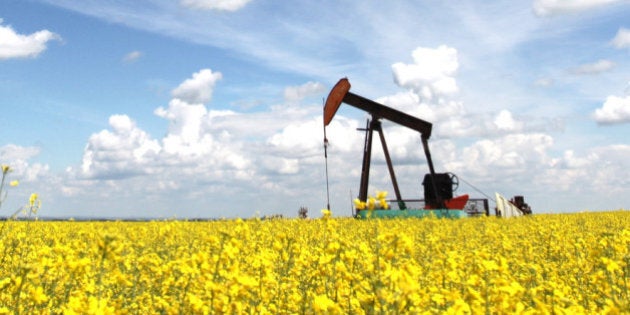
<point>562,264</point>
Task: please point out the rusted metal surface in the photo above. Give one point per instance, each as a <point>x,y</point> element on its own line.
<point>381,111</point>
<point>334,99</point>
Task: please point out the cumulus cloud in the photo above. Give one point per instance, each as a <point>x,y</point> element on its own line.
<point>505,121</point>
<point>511,163</point>
<point>513,154</point>
<point>597,67</point>
<point>12,152</point>
<point>450,119</point>
<point>622,39</point>
<point>199,88</point>
<point>132,56</point>
<point>615,110</point>
<point>18,158</point>
<point>191,144</point>
<point>605,169</point>
<point>221,5</point>
<point>495,124</point>
<point>213,154</point>
<point>124,151</point>
<point>412,103</point>
<point>299,137</point>
<point>186,121</point>
<point>14,45</point>
<point>431,73</point>
<point>297,93</point>
<point>551,7</point>
<point>281,165</point>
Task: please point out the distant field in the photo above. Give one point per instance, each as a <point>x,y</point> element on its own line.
<point>564,263</point>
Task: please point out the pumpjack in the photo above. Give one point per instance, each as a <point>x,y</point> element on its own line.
<point>438,187</point>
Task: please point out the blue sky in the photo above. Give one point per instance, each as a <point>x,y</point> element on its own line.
<point>207,108</point>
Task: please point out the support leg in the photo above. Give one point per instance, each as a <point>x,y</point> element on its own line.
<point>390,167</point>
<point>365,169</point>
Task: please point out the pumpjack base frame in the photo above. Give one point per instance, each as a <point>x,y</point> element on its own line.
<point>411,213</point>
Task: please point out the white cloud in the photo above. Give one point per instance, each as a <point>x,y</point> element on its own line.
<point>221,5</point>
<point>198,89</point>
<point>125,151</point>
<point>282,165</point>
<point>492,125</point>
<point>132,56</point>
<point>210,155</point>
<point>615,110</point>
<point>451,119</point>
<point>408,102</point>
<point>299,138</point>
<point>18,157</point>
<point>505,122</point>
<point>512,154</point>
<point>551,7</point>
<point>622,39</point>
<point>597,67</point>
<point>191,146</point>
<point>14,45</point>
<point>186,121</point>
<point>611,169</point>
<point>412,103</point>
<point>297,93</point>
<point>11,152</point>
<point>431,74</point>
<point>605,169</point>
<point>32,177</point>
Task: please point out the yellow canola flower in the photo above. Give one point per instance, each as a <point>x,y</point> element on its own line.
<point>324,305</point>
<point>5,169</point>
<point>14,183</point>
<point>383,204</point>
<point>358,204</point>
<point>38,296</point>
<point>371,203</point>
<point>33,199</point>
<point>34,204</point>
<point>326,214</point>
<point>99,306</point>
<point>381,195</point>
<point>561,263</point>
<point>610,264</point>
